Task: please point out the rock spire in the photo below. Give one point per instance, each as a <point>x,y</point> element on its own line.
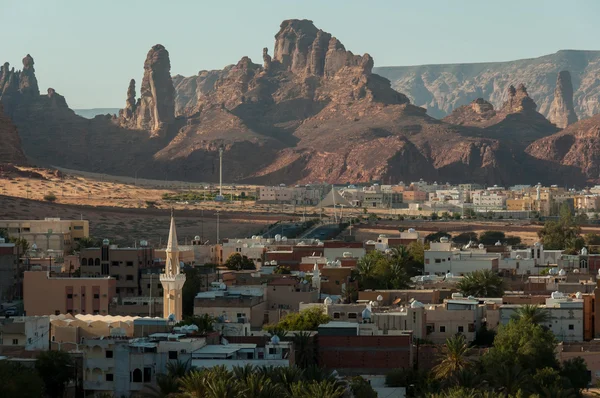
<point>562,112</point>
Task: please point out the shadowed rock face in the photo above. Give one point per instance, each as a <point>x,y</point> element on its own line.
<point>10,150</point>
<point>313,112</point>
<point>562,112</point>
<point>155,110</point>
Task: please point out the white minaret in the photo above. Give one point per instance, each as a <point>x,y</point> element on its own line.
<point>172,279</point>
<point>316,278</point>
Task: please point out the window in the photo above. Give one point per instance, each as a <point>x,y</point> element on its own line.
<point>430,329</point>
<point>571,327</point>
<point>57,312</point>
<point>249,355</point>
<point>148,286</point>
<point>109,377</point>
<point>109,354</point>
<point>96,295</point>
<point>15,341</point>
<point>438,261</point>
<point>147,374</point>
<point>129,277</point>
<point>115,276</point>
<point>70,295</point>
<point>352,315</point>
<point>137,376</point>
<point>240,315</point>
<point>336,315</point>
<point>70,311</point>
<point>114,263</point>
<point>172,354</point>
<point>442,329</point>
<point>130,263</point>
<point>272,351</point>
<point>471,327</point>
<point>460,329</point>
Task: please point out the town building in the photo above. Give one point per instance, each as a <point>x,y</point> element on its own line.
<point>30,333</point>
<point>10,282</point>
<point>241,304</point>
<point>46,295</point>
<point>54,236</point>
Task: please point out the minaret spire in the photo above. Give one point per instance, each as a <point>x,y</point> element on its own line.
<point>172,279</point>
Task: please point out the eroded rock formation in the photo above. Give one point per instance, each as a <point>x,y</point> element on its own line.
<point>10,150</point>
<point>155,110</point>
<point>562,112</point>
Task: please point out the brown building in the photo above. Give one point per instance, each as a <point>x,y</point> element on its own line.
<point>284,295</point>
<point>126,265</point>
<point>334,279</point>
<point>45,295</point>
<point>237,306</point>
<point>9,276</point>
<point>341,348</point>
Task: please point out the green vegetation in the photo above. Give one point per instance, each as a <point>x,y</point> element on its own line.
<point>56,369</point>
<point>386,271</point>
<point>50,197</point>
<point>307,319</point>
<point>194,196</point>
<point>532,314</point>
<point>238,262</point>
<point>491,237</point>
<point>436,236</point>
<point>520,364</point>
<point>562,234</point>
<point>249,381</point>
<point>465,237</point>
<point>17,380</point>
<point>204,323</point>
<point>482,283</point>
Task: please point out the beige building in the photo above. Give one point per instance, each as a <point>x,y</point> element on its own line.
<point>172,279</point>
<point>46,295</point>
<point>27,332</point>
<point>54,236</point>
<point>458,315</point>
<point>68,331</point>
<point>284,295</point>
<point>245,304</point>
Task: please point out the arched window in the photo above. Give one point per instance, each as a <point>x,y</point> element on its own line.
<point>84,261</point>
<point>137,376</point>
<point>91,261</point>
<point>97,262</point>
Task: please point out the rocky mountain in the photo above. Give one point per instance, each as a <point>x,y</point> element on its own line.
<point>10,151</point>
<point>443,88</point>
<point>93,112</point>
<point>311,112</point>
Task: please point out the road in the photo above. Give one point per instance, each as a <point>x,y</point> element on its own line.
<point>322,232</point>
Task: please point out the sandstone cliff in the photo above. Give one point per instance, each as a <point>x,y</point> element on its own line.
<point>443,88</point>
<point>313,111</point>
<point>562,112</point>
<point>155,109</point>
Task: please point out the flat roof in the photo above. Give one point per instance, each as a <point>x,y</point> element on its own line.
<point>223,349</point>
<point>339,324</point>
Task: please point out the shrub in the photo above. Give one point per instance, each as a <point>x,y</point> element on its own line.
<point>50,197</point>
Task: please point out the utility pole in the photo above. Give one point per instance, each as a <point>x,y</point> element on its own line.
<point>218,226</point>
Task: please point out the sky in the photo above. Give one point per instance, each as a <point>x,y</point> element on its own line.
<point>89,50</point>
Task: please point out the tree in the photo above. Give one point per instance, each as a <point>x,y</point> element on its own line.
<point>482,283</point>
<point>416,262</point>
<point>362,388</point>
<point>191,287</point>
<point>56,368</point>
<point>50,197</point>
<point>510,379</point>
<point>562,234</point>
<point>17,380</point>
<point>453,358</point>
<point>282,270</point>
<point>349,294</point>
<point>434,216</point>
<point>512,240</point>
<point>491,237</point>
<point>436,236</point>
<point>85,242</point>
<point>465,237</point>
<point>531,313</point>
<point>592,239</point>
<point>576,371</point>
<point>204,322</point>
<point>307,319</point>
<point>20,243</point>
<point>238,262</point>
<point>522,343</point>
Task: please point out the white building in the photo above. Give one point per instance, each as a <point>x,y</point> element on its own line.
<point>565,316</point>
<point>442,259</point>
<point>28,332</point>
<point>485,200</point>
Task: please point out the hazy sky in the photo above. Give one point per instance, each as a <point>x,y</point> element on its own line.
<point>88,50</point>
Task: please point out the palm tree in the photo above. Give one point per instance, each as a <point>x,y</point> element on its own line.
<point>193,385</point>
<point>321,389</point>
<point>531,313</point>
<point>166,387</point>
<point>366,266</point>
<point>509,379</point>
<point>304,349</point>
<point>177,369</point>
<point>482,283</point>
<point>453,358</point>
<point>257,385</point>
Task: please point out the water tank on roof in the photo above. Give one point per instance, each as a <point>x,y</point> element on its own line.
<point>346,254</point>
<point>275,339</point>
<point>498,243</point>
<point>284,238</point>
<point>449,275</point>
<point>537,244</point>
<point>444,239</point>
<point>578,295</point>
<point>277,238</point>
<point>556,295</point>
<point>338,263</point>
<point>457,295</point>
<point>370,242</point>
<point>416,304</point>
<point>382,236</point>
<point>366,314</point>
<point>518,257</point>
<point>379,298</point>
<point>411,230</point>
<point>273,262</point>
<point>105,242</point>
<point>328,301</point>
<point>481,246</point>
<point>245,245</point>
<point>562,272</point>
<point>197,237</point>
